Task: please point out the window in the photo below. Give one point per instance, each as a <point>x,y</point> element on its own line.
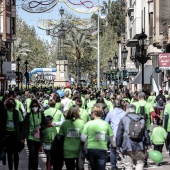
<point>8,2</point>
<point>150,24</point>
<point>144,18</point>
<point>13,2</point>
<point>1,24</point>
<point>13,25</point>
<point>8,24</point>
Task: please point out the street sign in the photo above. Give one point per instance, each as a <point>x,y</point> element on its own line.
<point>2,77</point>
<point>18,80</point>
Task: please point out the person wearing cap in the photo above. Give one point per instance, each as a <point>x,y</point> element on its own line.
<point>71,131</point>
<point>114,117</point>
<point>49,134</point>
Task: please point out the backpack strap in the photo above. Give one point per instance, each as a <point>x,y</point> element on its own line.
<point>144,104</point>
<point>55,113</point>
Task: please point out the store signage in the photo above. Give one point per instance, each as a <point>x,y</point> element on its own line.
<point>2,77</point>
<point>164,61</point>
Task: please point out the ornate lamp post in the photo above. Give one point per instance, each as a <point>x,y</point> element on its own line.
<point>26,74</point>
<point>18,71</point>
<point>124,56</point>
<point>142,58</point>
<point>116,75</point>
<point>115,59</point>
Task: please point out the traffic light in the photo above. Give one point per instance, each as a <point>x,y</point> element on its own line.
<point>125,75</point>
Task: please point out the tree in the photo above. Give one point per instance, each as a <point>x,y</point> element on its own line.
<point>19,49</point>
<point>38,49</point>
<point>115,16</point>
<point>78,48</point>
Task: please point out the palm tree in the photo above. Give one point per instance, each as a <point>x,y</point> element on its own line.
<point>19,49</point>
<point>77,44</point>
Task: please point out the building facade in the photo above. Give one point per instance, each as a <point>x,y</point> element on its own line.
<point>7,37</point>
<point>153,17</point>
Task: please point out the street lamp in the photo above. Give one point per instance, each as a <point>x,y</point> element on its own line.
<point>61,11</point>
<point>26,74</point>
<point>115,58</point>
<point>110,65</point>
<point>109,62</point>
<point>18,71</point>
<point>2,54</point>
<point>142,58</point>
<point>124,56</point>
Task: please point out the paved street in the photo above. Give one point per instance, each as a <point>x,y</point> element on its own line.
<point>24,155</point>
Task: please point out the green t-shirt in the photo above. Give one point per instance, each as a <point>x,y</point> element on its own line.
<point>151,100</point>
<point>84,115</point>
<point>158,136</point>
<point>167,112</point>
<point>166,96</point>
<point>127,100</point>
<point>109,104</point>
<point>35,121</point>
<point>19,105</point>
<point>10,121</point>
<point>1,97</point>
<point>58,106</point>
<point>56,114</point>
<point>49,134</point>
<point>45,102</point>
<point>83,102</point>
<point>28,102</point>
<point>72,132</point>
<point>148,108</point>
<point>97,132</point>
<point>90,105</point>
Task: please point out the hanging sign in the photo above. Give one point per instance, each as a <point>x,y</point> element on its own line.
<point>164,61</point>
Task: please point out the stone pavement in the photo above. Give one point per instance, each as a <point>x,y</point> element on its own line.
<point>42,159</point>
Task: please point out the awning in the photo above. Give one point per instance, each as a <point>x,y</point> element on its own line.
<point>148,70</point>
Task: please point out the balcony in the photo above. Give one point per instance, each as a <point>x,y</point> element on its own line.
<point>134,31</point>
<point>130,11</point>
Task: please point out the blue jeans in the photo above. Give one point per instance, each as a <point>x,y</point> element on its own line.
<point>113,158</point>
<point>97,158</point>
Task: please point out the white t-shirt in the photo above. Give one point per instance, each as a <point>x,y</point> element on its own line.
<point>65,102</point>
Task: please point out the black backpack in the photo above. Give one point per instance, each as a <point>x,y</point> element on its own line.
<point>160,102</point>
<point>136,129</point>
<point>142,112</point>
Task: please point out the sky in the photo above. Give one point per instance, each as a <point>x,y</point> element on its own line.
<point>31,18</point>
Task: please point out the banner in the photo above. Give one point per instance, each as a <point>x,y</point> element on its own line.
<point>164,61</point>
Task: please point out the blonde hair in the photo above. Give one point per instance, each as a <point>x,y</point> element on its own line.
<point>97,110</point>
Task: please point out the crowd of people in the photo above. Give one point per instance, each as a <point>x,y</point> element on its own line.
<point>73,124</point>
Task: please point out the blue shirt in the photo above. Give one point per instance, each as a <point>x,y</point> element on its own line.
<point>114,117</point>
